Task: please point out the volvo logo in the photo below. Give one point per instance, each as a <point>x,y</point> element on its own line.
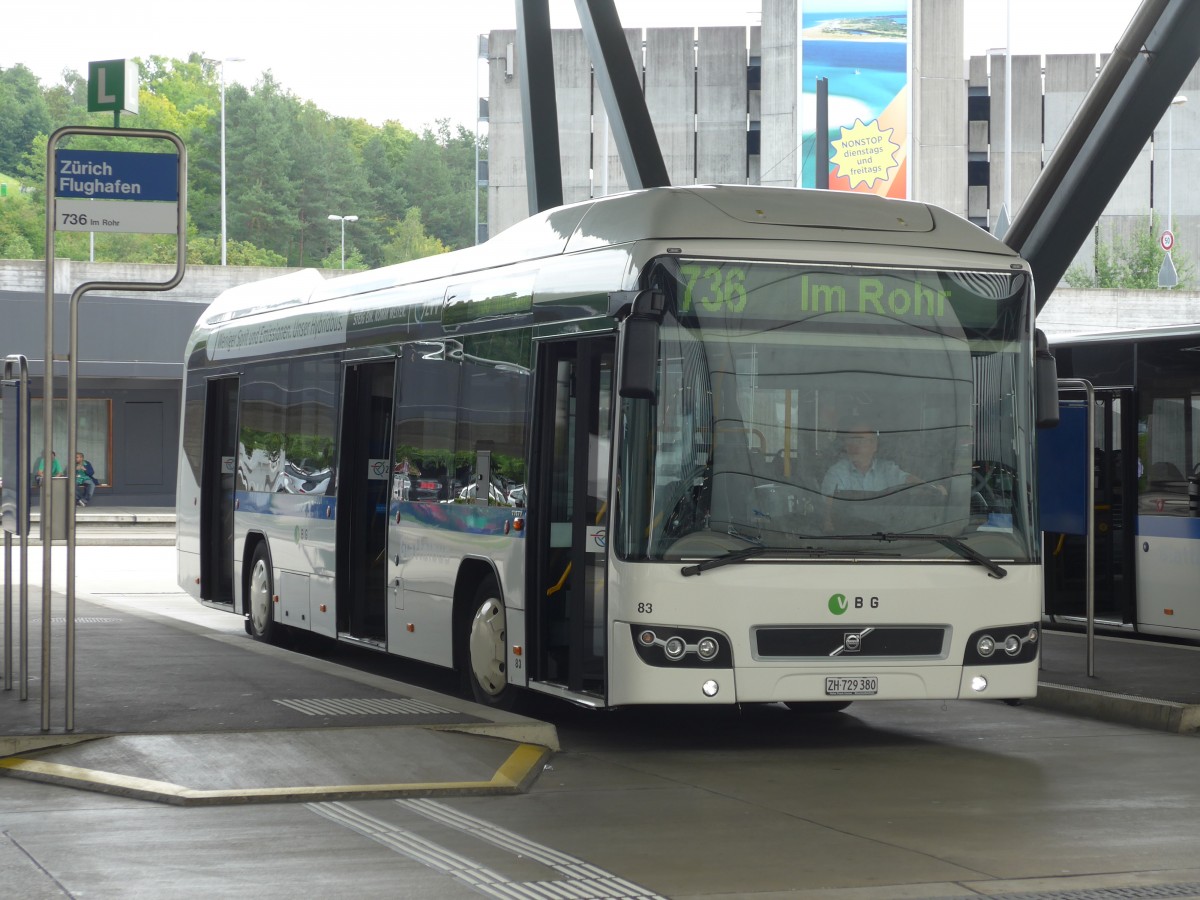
<point>851,642</point>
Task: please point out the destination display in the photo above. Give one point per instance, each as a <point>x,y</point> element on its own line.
<point>727,291</point>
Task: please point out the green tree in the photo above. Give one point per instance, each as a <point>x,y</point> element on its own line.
<point>383,157</point>
<point>23,112</point>
<point>20,223</point>
<point>439,177</point>
<point>261,191</point>
<point>1129,263</point>
<point>354,259</point>
<point>288,166</point>
<point>409,240</point>
<point>330,146</point>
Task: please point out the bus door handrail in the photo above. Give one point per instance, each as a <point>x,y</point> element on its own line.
<point>1082,384</point>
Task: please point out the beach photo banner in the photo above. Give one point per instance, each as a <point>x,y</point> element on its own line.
<point>861,48</point>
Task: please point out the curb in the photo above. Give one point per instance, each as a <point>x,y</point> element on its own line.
<point>514,776</point>
<point>1125,709</point>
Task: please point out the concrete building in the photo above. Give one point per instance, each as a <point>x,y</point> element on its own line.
<point>724,104</point>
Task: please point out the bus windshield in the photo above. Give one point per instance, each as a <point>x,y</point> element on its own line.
<point>826,411</point>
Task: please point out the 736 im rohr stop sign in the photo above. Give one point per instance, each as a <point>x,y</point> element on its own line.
<point>98,190</point>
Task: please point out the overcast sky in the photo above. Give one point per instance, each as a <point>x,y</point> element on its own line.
<point>415,62</point>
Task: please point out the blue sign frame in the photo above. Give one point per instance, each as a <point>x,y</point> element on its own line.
<point>105,175</point>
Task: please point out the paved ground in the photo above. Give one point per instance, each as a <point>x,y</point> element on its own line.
<point>884,801</point>
<point>165,690</point>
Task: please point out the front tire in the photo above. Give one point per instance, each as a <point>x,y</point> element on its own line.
<point>485,648</point>
<point>260,594</point>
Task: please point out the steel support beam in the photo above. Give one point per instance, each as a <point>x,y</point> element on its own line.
<point>1146,70</point>
<point>539,109</point>
<point>620,87</point>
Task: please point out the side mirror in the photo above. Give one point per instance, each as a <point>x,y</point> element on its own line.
<point>639,354</point>
<point>1045,373</point>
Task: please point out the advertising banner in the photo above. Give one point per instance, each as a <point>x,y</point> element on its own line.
<point>862,48</point>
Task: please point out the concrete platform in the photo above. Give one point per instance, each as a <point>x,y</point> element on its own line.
<point>186,713</point>
<point>114,526</point>
<point>1135,680</point>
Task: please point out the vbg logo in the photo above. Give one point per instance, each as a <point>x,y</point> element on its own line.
<point>837,604</point>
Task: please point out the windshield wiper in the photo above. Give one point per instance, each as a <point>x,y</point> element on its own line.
<point>751,552</point>
<point>946,540</point>
<point>731,557</point>
<point>950,543</point>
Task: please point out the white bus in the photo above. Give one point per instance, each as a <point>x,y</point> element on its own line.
<point>591,457</point>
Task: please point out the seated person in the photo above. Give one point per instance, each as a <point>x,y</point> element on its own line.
<point>85,480</point>
<point>860,470</point>
<point>39,467</point>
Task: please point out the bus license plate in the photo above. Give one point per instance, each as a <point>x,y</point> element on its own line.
<point>861,686</point>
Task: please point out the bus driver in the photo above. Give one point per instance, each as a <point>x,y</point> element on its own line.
<point>859,469</point>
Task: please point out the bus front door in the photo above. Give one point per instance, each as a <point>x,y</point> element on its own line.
<point>363,480</point>
<point>572,464</point>
<point>1115,478</point>
<point>218,478</point>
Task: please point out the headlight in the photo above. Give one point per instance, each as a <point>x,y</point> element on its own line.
<point>707,648</point>
<point>675,648</point>
<point>986,646</point>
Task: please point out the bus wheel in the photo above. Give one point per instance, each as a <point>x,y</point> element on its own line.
<point>486,654</point>
<point>260,591</point>
<point>818,707</point>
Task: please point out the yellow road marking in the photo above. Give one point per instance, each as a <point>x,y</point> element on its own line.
<point>512,775</point>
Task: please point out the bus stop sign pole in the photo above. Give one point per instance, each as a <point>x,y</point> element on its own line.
<point>14,509</point>
<point>162,211</point>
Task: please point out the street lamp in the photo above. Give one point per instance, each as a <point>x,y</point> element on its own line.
<point>1178,101</point>
<point>1168,276</point>
<point>343,220</point>
<point>221,62</point>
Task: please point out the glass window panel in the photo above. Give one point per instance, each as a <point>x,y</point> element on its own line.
<point>93,437</point>
<point>427,467</point>
<point>770,375</point>
<point>310,426</point>
<point>262,425</point>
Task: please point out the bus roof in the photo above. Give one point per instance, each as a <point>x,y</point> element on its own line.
<point>696,212</point>
<point>1159,332</point>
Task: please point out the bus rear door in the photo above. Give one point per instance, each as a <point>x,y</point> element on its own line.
<point>364,478</point>
<point>218,477</point>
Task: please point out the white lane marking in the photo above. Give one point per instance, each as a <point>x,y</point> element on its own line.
<point>379,706</point>
<point>579,880</point>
